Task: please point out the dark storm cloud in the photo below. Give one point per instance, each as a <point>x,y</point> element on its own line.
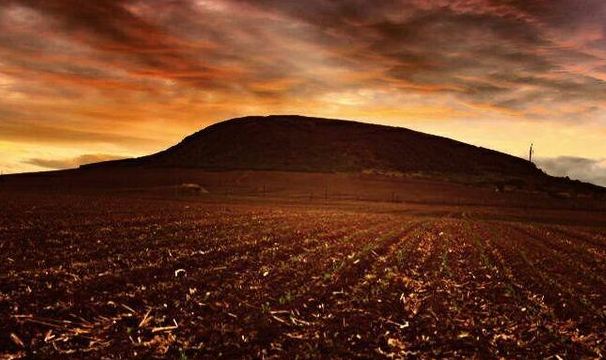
<point>451,46</point>
<point>591,170</point>
<point>122,38</point>
<point>482,50</point>
<point>102,19</point>
<point>567,14</point>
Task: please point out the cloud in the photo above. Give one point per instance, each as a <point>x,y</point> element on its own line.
<point>12,131</point>
<point>492,53</point>
<point>110,70</point>
<point>70,163</point>
<point>590,170</point>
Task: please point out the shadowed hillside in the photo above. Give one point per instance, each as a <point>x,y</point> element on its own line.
<point>295,143</point>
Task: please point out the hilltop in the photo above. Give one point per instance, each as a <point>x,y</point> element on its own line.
<point>288,155</point>
<point>296,143</point>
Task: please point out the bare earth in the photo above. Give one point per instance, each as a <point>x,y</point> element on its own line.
<point>126,275</point>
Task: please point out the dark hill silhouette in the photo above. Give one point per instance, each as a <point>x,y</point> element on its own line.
<point>296,143</point>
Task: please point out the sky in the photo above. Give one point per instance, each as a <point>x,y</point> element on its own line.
<point>84,81</point>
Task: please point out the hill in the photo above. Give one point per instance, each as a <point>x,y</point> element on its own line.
<point>296,143</point>
<point>298,156</point>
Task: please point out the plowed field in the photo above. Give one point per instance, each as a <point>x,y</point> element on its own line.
<point>95,277</point>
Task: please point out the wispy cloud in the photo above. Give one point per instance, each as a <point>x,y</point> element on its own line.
<point>70,163</point>
<point>590,170</point>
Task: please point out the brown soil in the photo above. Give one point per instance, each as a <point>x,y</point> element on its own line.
<point>151,274</point>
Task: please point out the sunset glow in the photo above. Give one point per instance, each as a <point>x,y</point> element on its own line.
<point>83,81</point>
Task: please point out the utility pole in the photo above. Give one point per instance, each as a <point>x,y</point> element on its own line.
<point>530,152</point>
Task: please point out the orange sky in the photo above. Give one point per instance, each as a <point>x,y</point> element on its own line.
<point>86,81</point>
